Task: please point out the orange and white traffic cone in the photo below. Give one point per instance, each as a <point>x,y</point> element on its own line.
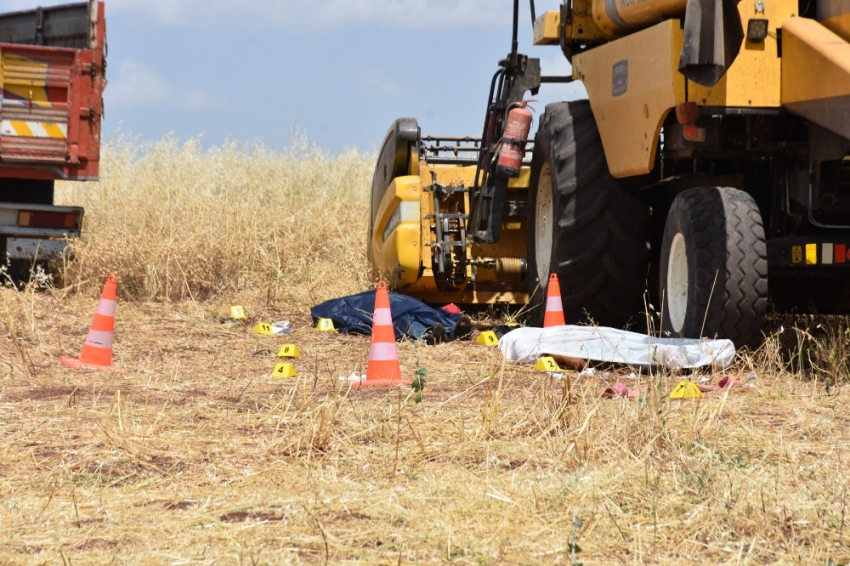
<point>97,349</point>
<point>554,308</point>
<point>383,368</point>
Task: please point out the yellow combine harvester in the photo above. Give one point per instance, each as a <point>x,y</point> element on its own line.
<point>711,154</point>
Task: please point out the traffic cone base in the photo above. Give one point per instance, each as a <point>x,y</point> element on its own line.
<point>554,315</point>
<point>97,349</point>
<point>77,363</point>
<point>380,382</point>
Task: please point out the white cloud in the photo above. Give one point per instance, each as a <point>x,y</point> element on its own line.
<point>300,14</point>
<point>138,85</point>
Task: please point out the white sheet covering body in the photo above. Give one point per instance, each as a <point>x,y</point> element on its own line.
<point>602,344</point>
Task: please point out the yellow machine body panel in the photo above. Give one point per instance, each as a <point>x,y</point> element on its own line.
<point>400,244</point>
<point>547,27</point>
<point>816,74</point>
<point>754,79</point>
<point>839,25</point>
<point>396,240</point>
<point>631,94</point>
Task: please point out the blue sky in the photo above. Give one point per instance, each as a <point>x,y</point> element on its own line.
<point>341,70</point>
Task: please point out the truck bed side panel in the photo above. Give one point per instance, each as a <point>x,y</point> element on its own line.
<point>34,109</point>
<point>51,97</point>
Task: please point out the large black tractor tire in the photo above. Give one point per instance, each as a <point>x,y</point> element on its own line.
<point>583,225</point>
<point>713,276</point>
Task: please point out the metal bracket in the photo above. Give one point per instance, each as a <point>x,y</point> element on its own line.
<point>38,39</point>
<point>566,19</point>
<point>488,210</point>
<point>450,231</point>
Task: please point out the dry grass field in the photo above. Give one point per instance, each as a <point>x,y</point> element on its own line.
<point>195,455</point>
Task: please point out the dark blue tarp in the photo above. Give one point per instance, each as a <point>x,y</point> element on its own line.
<point>411,317</point>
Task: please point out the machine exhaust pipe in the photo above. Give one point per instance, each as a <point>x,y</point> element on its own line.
<point>713,38</point>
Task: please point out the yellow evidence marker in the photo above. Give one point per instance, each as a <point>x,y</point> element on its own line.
<point>264,329</point>
<point>488,338</point>
<point>686,390</point>
<point>289,351</point>
<point>325,325</point>
<point>547,364</point>
<point>283,370</point>
<point>237,313</point>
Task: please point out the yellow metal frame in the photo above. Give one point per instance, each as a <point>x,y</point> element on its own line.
<point>398,256</point>
<point>816,74</point>
<point>630,121</point>
<point>583,26</point>
<point>754,79</point>
<point>404,257</point>
<point>839,25</point>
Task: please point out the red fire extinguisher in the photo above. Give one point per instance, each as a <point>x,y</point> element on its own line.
<point>512,148</point>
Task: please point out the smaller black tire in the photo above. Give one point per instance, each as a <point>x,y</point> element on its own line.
<point>713,276</point>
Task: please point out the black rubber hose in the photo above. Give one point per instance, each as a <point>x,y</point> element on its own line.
<point>515,42</point>
<point>485,145</point>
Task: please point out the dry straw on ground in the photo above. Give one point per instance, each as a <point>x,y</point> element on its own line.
<point>195,455</point>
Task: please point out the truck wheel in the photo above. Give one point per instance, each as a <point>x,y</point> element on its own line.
<point>583,225</point>
<point>714,267</point>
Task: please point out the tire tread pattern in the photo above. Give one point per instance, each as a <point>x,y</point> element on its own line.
<point>600,235</point>
<point>727,244</point>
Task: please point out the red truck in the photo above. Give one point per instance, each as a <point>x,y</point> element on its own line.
<point>52,76</point>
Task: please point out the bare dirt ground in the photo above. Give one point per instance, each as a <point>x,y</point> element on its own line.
<point>195,455</point>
